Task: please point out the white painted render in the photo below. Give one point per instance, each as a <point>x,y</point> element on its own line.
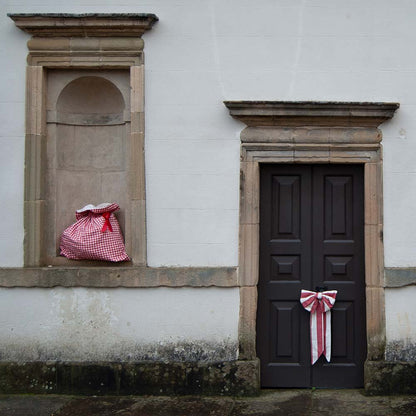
<point>401,319</point>
<point>119,324</point>
<point>200,53</point>
<point>401,324</point>
<point>203,52</point>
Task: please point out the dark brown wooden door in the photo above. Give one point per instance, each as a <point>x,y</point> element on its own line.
<point>311,234</point>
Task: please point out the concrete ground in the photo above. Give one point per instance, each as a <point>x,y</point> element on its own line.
<point>277,402</point>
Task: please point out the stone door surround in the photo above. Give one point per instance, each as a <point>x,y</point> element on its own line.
<point>311,132</point>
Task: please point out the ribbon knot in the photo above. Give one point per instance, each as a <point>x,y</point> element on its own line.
<point>107,223</point>
<point>319,304</point>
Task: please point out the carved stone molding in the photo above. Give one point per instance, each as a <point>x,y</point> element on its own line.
<point>84,25</point>
<point>311,132</point>
<point>85,40</point>
<point>307,113</point>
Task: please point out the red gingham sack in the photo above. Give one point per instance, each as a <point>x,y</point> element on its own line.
<point>95,236</point>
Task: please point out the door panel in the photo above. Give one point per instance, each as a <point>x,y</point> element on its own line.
<point>311,234</point>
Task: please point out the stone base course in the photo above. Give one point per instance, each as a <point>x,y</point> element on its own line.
<point>238,378</point>
<point>233,378</point>
<point>390,377</point>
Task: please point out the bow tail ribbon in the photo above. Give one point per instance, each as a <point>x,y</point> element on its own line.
<point>107,224</point>
<point>319,304</point>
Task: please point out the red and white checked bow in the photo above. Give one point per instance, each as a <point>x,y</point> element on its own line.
<point>319,304</point>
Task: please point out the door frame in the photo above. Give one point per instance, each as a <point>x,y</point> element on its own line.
<point>307,227</point>
<point>311,132</point>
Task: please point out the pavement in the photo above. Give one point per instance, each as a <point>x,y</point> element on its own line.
<point>270,402</point>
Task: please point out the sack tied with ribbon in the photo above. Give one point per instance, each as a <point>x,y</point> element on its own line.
<point>96,235</point>
<point>319,304</point>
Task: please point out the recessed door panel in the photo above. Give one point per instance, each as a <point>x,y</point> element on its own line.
<point>311,234</point>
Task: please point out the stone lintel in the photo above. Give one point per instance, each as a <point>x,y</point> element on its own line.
<point>113,276</point>
<point>311,113</point>
<point>84,25</point>
<point>314,134</point>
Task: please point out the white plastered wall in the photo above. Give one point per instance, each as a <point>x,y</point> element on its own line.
<point>203,52</point>
<point>163,324</point>
<point>401,324</point>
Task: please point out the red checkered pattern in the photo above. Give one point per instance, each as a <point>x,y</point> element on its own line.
<point>95,235</point>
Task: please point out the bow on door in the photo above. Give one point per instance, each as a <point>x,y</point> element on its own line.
<point>319,304</point>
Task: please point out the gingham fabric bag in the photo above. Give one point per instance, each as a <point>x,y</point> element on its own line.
<point>95,236</point>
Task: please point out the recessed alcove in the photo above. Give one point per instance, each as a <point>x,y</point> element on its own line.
<point>84,127</point>
<point>88,122</point>
<point>65,51</point>
<point>90,100</point>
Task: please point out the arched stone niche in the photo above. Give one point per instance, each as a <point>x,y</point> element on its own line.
<point>64,48</point>
<point>87,159</point>
<point>90,100</point>
<point>84,127</point>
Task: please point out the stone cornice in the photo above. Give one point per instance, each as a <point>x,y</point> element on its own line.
<point>83,25</point>
<point>311,113</point>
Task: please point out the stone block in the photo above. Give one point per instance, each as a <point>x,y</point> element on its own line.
<point>348,154</point>
<point>138,232</point>
<point>376,323</point>
<point>137,123</point>
<point>134,45</point>
<point>35,164</point>
<point>312,155</point>
<point>280,154</point>
<point>34,378</point>
<point>38,44</point>
<point>137,168</point>
<point>249,255</point>
<point>249,193</point>
<point>34,228</point>
<point>137,89</point>
<point>35,100</point>
<point>386,378</point>
<point>314,135</point>
<point>400,276</point>
<point>373,193</point>
<point>90,147</point>
<point>355,135</point>
<point>49,60</point>
<point>267,135</point>
<point>117,275</point>
<point>85,44</point>
<point>374,260</point>
<point>247,323</point>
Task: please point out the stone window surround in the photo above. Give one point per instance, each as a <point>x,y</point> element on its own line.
<point>90,41</point>
<point>81,42</point>
<point>311,132</point>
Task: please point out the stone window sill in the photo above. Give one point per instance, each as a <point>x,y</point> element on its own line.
<point>118,276</point>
